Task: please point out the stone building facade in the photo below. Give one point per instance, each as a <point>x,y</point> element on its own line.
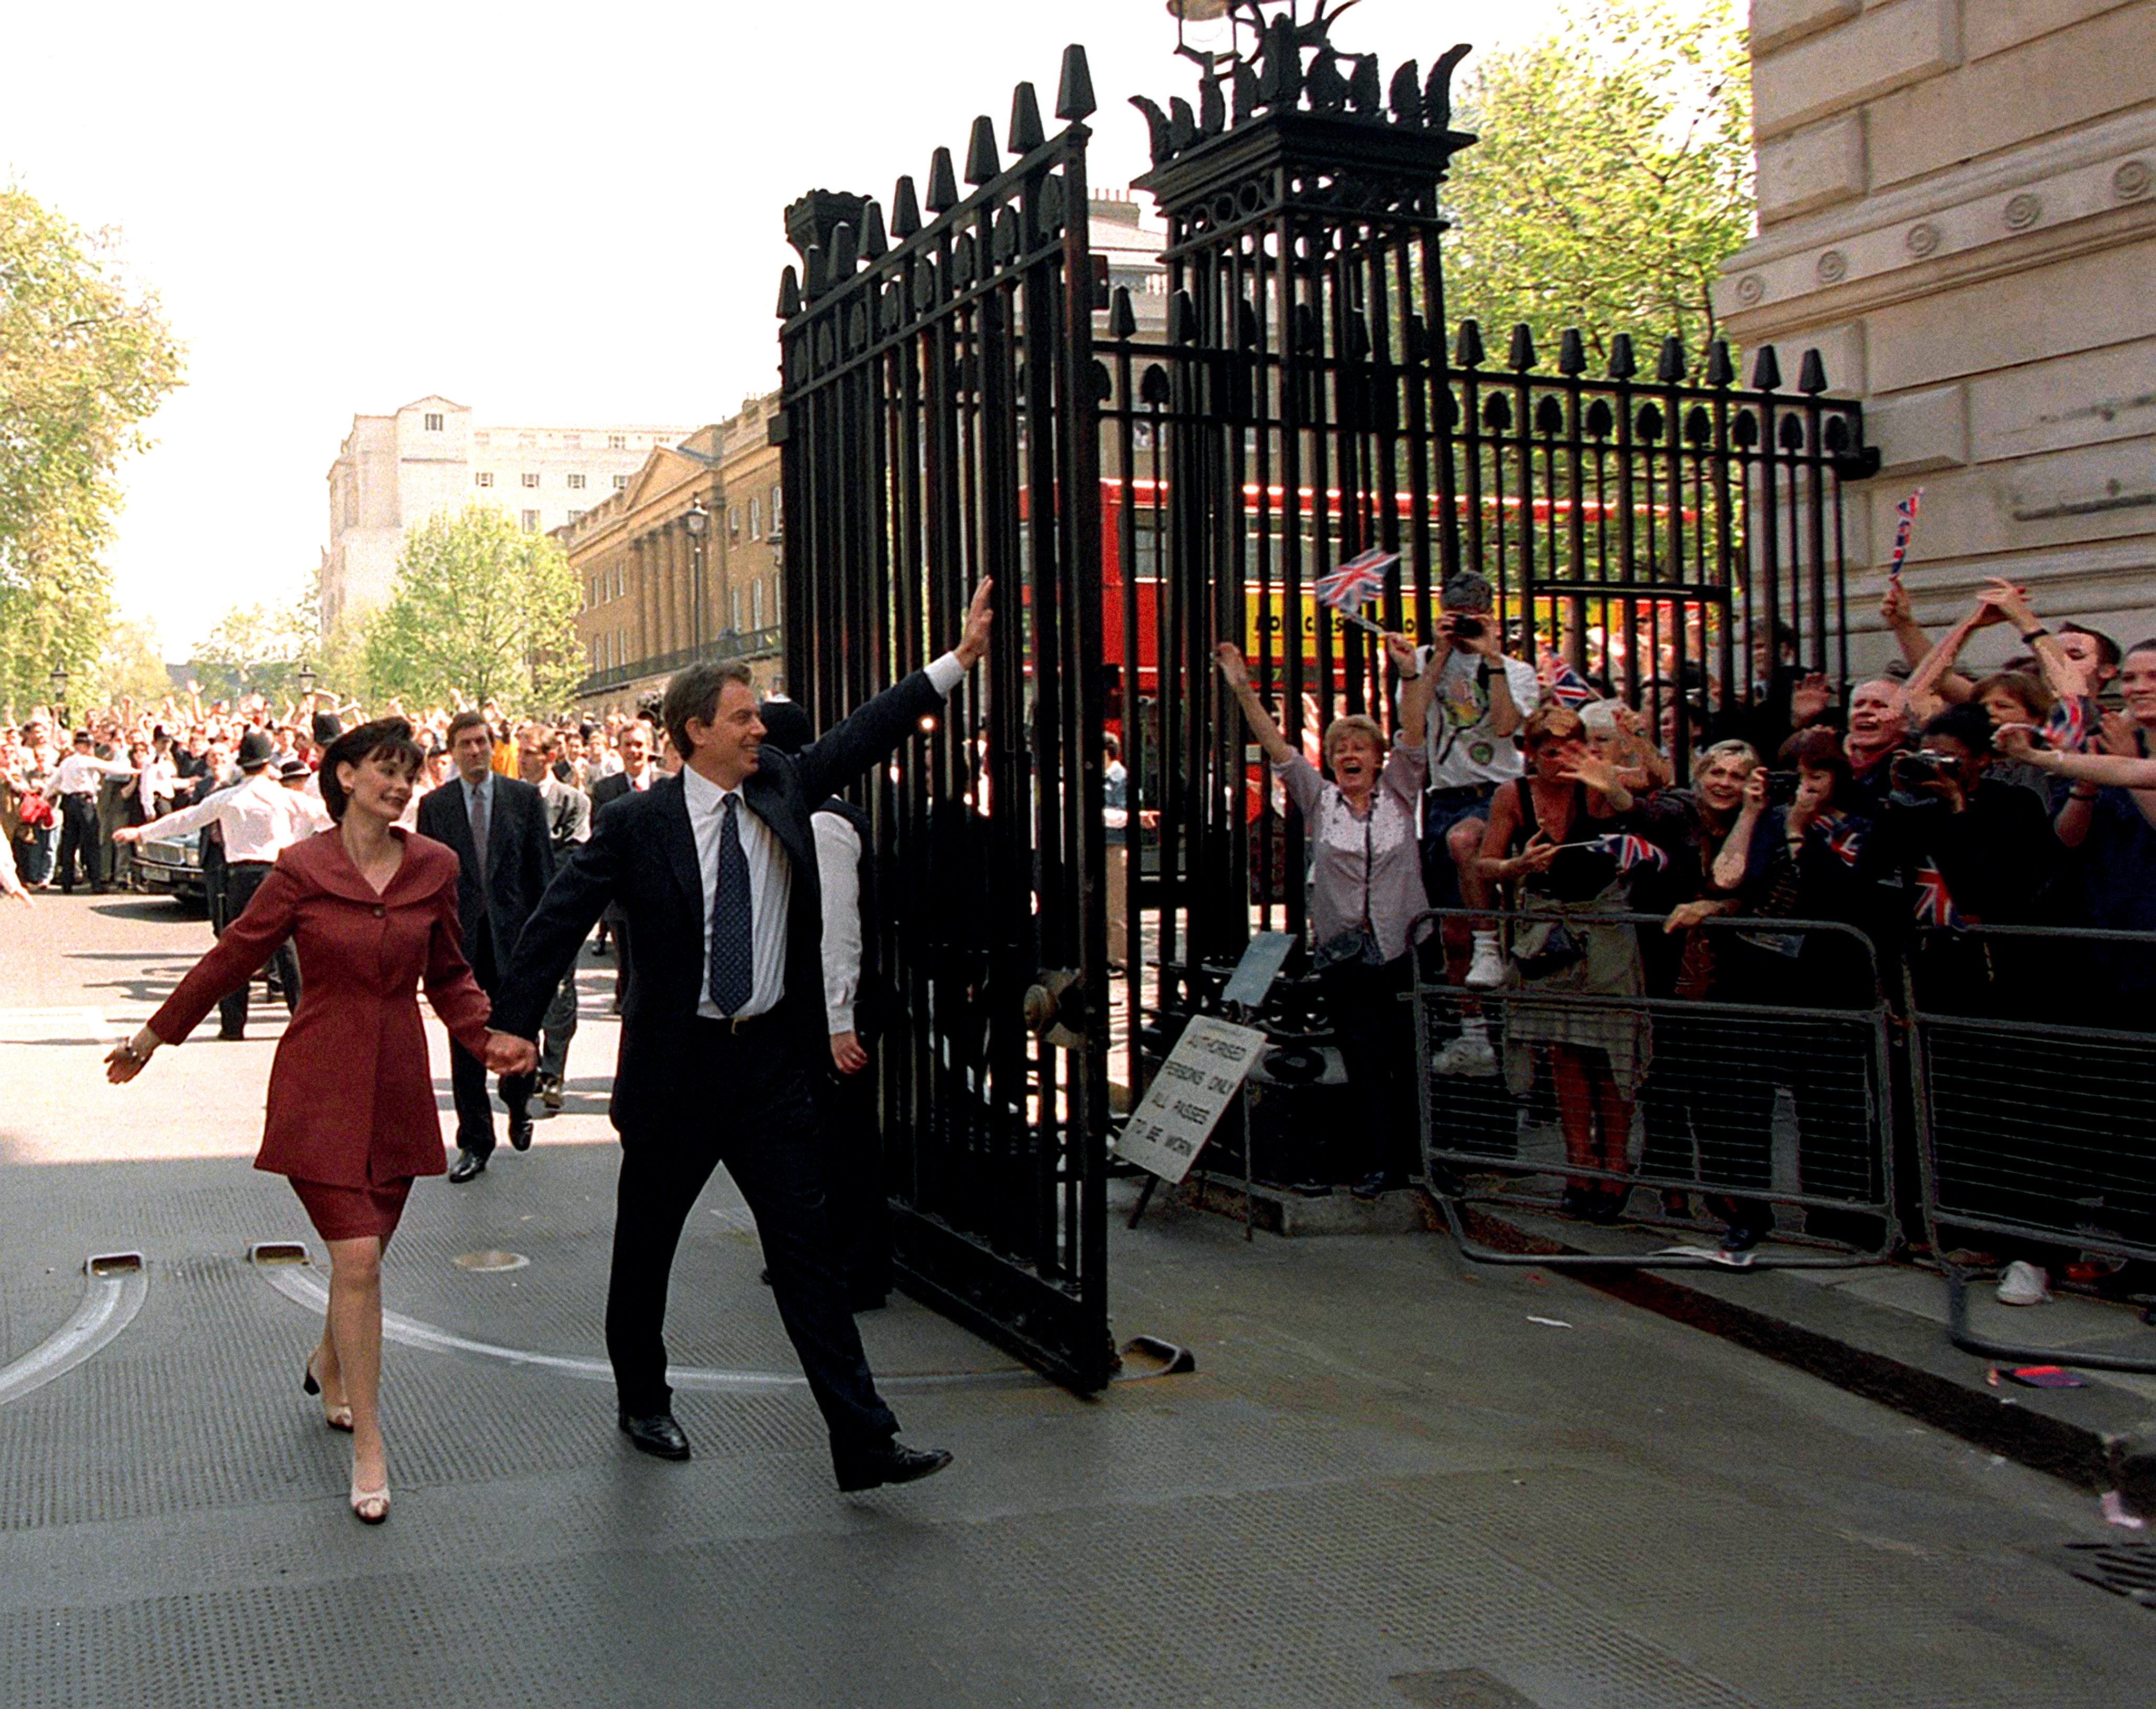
<point>430,456</point>
<point>1958,209</point>
<point>656,593</point>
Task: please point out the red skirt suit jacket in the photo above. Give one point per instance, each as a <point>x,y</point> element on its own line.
<point>351,1101</point>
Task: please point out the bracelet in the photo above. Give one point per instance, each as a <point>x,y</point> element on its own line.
<point>2078,793</point>
<point>2031,634</point>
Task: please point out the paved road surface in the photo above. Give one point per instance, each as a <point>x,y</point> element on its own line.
<point>1388,1484</point>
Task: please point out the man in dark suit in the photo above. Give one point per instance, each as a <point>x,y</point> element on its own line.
<point>724,1027</point>
<point>498,827</point>
<point>638,773</point>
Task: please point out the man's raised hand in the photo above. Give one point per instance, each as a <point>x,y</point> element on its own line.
<point>974,643</point>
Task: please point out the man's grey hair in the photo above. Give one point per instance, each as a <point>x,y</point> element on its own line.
<point>693,692</point>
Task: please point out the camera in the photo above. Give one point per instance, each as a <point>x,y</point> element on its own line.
<point>1781,788</point>
<point>1924,769</point>
<point>1463,628</point>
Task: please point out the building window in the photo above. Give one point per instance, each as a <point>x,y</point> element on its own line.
<point>737,624</point>
<point>575,440</point>
<point>433,423</point>
<point>530,520</point>
<point>485,477</point>
<point>733,524</point>
<point>575,482</point>
<point>621,483</point>
<point>576,516</point>
<point>756,603</point>
<point>776,511</point>
<point>531,477</point>
<point>617,442</point>
<point>755,519</point>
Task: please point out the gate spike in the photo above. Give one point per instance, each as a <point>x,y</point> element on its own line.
<point>1721,371</point>
<point>982,157</point>
<point>1122,318</point>
<point>1212,106</point>
<point>1670,367</point>
<point>1407,95</point>
<point>1767,371</point>
<point>1414,340</point>
<point>1244,88</point>
<point>1246,324</point>
<point>1280,84</point>
<point>789,293</point>
<point>1622,366</point>
<point>874,245</point>
<point>1520,357</point>
<point>943,183</point>
<point>1572,354</point>
<point>1359,336</point>
<point>1328,89</point>
<point>813,278</point>
<point>905,209</point>
<point>1073,95</point>
<point>845,258</point>
<point>1026,132</point>
<point>1181,319</point>
<point>1182,125</point>
<point>1365,92</point>
<point>1469,353</point>
<point>1811,374</point>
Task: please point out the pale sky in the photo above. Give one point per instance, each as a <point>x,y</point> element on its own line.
<point>545,212</point>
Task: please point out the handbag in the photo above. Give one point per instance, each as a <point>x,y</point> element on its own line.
<point>36,813</point>
<point>1356,947</point>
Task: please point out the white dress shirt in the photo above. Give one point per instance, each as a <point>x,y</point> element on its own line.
<point>839,865</point>
<point>80,773</point>
<point>259,817</point>
<point>158,779</point>
<point>770,891</point>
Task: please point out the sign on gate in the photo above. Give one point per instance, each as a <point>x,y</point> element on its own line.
<point>1200,1078</point>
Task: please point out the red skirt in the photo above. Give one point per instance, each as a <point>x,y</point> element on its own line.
<point>353,1213</point>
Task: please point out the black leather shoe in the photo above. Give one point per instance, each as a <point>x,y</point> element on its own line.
<point>467,1165</point>
<point>655,1434</point>
<point>520,1132</point>
<point>891,1462</point>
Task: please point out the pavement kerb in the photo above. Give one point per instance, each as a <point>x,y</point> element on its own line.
<point>2099,1437</point>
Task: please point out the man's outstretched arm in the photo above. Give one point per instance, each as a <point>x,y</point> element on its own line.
<point>582,887</point>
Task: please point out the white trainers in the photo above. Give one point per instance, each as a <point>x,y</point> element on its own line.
<point>2023,1285</point>
<point>1487,971</point>
<point>1468,1053</point>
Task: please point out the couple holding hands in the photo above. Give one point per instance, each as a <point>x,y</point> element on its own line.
<point>716,866</point>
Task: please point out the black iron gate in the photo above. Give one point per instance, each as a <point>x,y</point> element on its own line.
<point>1300,409</point>
<point>939,407</point>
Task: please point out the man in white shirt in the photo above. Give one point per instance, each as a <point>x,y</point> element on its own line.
<point>74,792</point>
<point>1479,702</point>
<point>259,818</point>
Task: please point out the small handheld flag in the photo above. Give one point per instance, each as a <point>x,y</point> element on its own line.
<point>2068,724</point>
<point>1630,851</point>
<point>1348,587</point>
<point>1843,840</point>
<point>1569,688</point>
<point>1935,906</point>
<point>1907,510</point>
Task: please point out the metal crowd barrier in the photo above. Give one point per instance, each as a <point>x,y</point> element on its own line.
<point>2033,1070</point>
<point>1766,1084</point>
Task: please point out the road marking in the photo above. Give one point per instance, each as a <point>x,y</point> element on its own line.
<point>110,1300</point>
<point>43,1026</point>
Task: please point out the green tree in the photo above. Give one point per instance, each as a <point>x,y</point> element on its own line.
<point>254,648</point>
<point>85,360</point>
<point>132,664</point>
<point>1612,179</point>
<point>480,610</point>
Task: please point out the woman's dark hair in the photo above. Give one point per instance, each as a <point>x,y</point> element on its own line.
<point>1817,749</point>
<point>1968,724</point>
<point>2023,686</point>
<point>385,738</point>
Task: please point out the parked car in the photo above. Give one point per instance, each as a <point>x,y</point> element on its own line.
<point>172,866</point>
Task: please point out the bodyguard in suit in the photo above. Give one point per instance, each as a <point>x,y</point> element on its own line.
<point>724,1027</point>
<point>638,773</point>
<point>498,827</point>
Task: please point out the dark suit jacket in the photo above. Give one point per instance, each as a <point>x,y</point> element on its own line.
<point>612,788</point>
<point>642,859</point>
<point>520,857</point>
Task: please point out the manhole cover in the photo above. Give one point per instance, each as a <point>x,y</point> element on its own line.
<point>2126,1569</point>
<point>491,1260</point>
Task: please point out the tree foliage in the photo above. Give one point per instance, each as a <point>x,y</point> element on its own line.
<point>256,649</point>
<point>85,360</point>
<point>480,610</point>
<point>130,664</point>
<point>1612,175</point>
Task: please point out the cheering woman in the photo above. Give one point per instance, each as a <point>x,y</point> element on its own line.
<point>352,1118</point>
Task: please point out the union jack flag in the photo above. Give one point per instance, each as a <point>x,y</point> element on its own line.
<point>1907,510</point>
<point>1347,587</point>
<point>1934,906</point>
<point>1842,838</point>
<point>2068,724</point>
<point>1630,851</point>
<point>1569,688</point>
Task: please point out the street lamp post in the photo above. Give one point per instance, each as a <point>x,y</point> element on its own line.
<point>305,676</point>
<point>697,522</point>
<point>59,686</point>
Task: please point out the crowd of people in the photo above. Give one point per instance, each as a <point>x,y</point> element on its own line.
<point>1927,798</point>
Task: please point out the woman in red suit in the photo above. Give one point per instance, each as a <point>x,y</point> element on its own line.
<point>352,1118</point>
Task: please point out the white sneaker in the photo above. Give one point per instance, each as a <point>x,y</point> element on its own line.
<point>1468,1053</point>
<point>2023,1285</point>
<point>1487,971</point>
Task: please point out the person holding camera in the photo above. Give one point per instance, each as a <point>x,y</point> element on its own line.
<point>1366,889</point>
<point>1478,699</point>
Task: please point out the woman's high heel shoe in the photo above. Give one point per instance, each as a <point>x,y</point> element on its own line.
<point>337,1418</point>
<point>370,1506</point>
